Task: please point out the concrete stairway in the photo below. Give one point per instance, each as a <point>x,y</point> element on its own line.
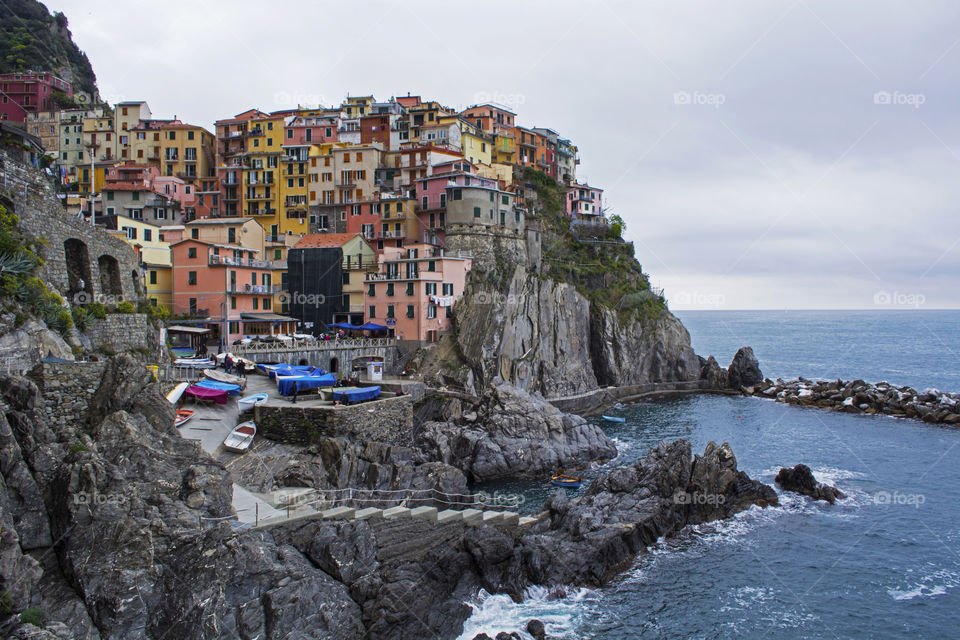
<point>432,515</point>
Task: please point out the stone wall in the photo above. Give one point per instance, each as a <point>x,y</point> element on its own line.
<point>388,420</point>
<point>123,332</point>
<point>98,266</point>
<point>67,389</point>
<point>593,402</point>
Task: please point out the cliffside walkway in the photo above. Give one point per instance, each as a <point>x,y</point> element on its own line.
<point>359,504</point>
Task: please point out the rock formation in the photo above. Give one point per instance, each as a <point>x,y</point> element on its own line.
<point>857,396</point>
<point>800,480</point>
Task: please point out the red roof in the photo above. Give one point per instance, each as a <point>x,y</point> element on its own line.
<point>324,240</point>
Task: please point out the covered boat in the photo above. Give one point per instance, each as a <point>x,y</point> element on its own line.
<point>278,370</point>
<point>182,416</point>
<point>195,363</point>
<point>177,391</point>
<point>357,394</point>
<point>288,386</point>
<point>207,394</point>
<point>220,376</point>
<point>241,437</point>
<point>232,389</point>
<point>247,403</point>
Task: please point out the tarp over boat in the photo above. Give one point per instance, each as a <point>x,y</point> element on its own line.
<point>287,386</point>
<point>206,394</point>
<point>357,395</point>
<point>220,376</point>
<point>232,389</point>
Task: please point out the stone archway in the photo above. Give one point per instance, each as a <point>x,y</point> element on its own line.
<point>78,271</point>
<point>137,283</point>
<point>333,365</point>
<point>110,276</point>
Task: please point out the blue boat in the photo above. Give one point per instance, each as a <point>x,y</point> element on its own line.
<point>232,389</point>
<point>569,482</point>
<point>613,419</point>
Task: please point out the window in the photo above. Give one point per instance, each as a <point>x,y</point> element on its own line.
<point>277,254</point>
<point>234,327</point>
<point>266,304</point>
<point>194,233</point>
<point>256,304</point>
<point>390,311</point>
<point>372,290</point>
<point>389,288</point>
<point>505,199</point>
<point>425,203</point>
<point>191,277</point>
<point>431,288</point>
<point>153,277</point>
<point>373,311</point>
<point>457,194</point>
<point>431,311</point>
<point>476,212</point>
<point>191,252</point>
<point>109,195</point>
<point>449,312</point>
<point>232,235</point>
<point>432,265</point>
<point>148,235</point>
<point>447,288</point>
<point>410,311</point>
<point>345,277</point>
<point>189,135</point>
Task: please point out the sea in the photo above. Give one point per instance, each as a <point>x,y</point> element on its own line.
<point>882,563</point>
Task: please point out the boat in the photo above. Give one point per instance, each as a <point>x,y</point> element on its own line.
<point>613,418</point>
<point>182,416</point>
<point>232,389</point>
<point>562,480</point>
<point>247,403</point>
<point>204,394</point>
<point>241,437</point>
<point>220,376</point>
<point>195,363</point>
<point>176,392</point>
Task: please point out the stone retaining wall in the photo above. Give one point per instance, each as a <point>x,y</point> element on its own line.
<point>595,401</point>
<point>388,420</point>
<point>67,389</point>
<point>123,332</point>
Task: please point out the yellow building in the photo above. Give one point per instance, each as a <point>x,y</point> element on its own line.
<point>504,148</point>
<point>475,145</point>
<point>186,152</point>
<point>341,174</point>
<point>357,106</point>
<point>261,193</point>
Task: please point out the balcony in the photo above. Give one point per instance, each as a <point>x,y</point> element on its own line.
<point>230,261</point>
<point>254,288</point>
<point>256,131</point>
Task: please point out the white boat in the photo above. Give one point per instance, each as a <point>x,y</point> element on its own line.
<point>247,403</point>
<point>241,437</point>
<point>220,376</point>
<point>195,363</point>
<point>176,392</point>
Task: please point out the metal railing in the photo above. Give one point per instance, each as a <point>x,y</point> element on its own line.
<point>240,262</point>
<point>311,345</point>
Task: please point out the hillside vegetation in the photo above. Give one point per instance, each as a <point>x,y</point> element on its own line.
<point>597,262</point>
<point>33,38</point>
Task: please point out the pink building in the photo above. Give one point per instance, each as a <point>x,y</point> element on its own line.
<point>226,288</point>
<point>29,91</point>
<point>415,290</point>
<point>585,203</point>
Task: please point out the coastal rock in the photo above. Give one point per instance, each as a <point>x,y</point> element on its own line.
<point>712,376</point>
<point>800,480</point>
<point>536,629</point>
<point>25,345</point>
<point>744,371</point>
<point>516,433</point>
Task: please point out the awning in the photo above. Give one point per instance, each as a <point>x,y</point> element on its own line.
<point>370,326</point>
<point>266,317</point>
<point>182,329</point>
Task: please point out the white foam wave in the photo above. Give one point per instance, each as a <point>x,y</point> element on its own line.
<point>495,613</point>
<point>929,586</point>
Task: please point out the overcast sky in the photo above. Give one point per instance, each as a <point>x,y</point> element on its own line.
<point>764,154</point>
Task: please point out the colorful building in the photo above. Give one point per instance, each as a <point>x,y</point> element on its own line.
<point>25,92</point>
<point>414,291</point>
<point>585,203</point>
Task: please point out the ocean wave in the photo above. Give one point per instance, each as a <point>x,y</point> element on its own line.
<point>493,613</point>
<point>935,584</point>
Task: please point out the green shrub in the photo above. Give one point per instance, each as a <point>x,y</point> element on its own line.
<point>6,603</point>
<point>61,322</point>
<point>81,318</point>
<point>77,448</point>
<point>126,307</point>
<point>97,310</point>
<point>34,615</point>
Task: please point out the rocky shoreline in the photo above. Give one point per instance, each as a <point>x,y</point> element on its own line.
<point>856,396</point>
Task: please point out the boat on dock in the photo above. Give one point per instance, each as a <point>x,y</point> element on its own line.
<point>247,403</point>
<point>183,415</point>
<point>177,392</point>
<point>240,439</point>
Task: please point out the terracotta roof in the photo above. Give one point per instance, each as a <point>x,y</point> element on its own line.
<point>324,240</point>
